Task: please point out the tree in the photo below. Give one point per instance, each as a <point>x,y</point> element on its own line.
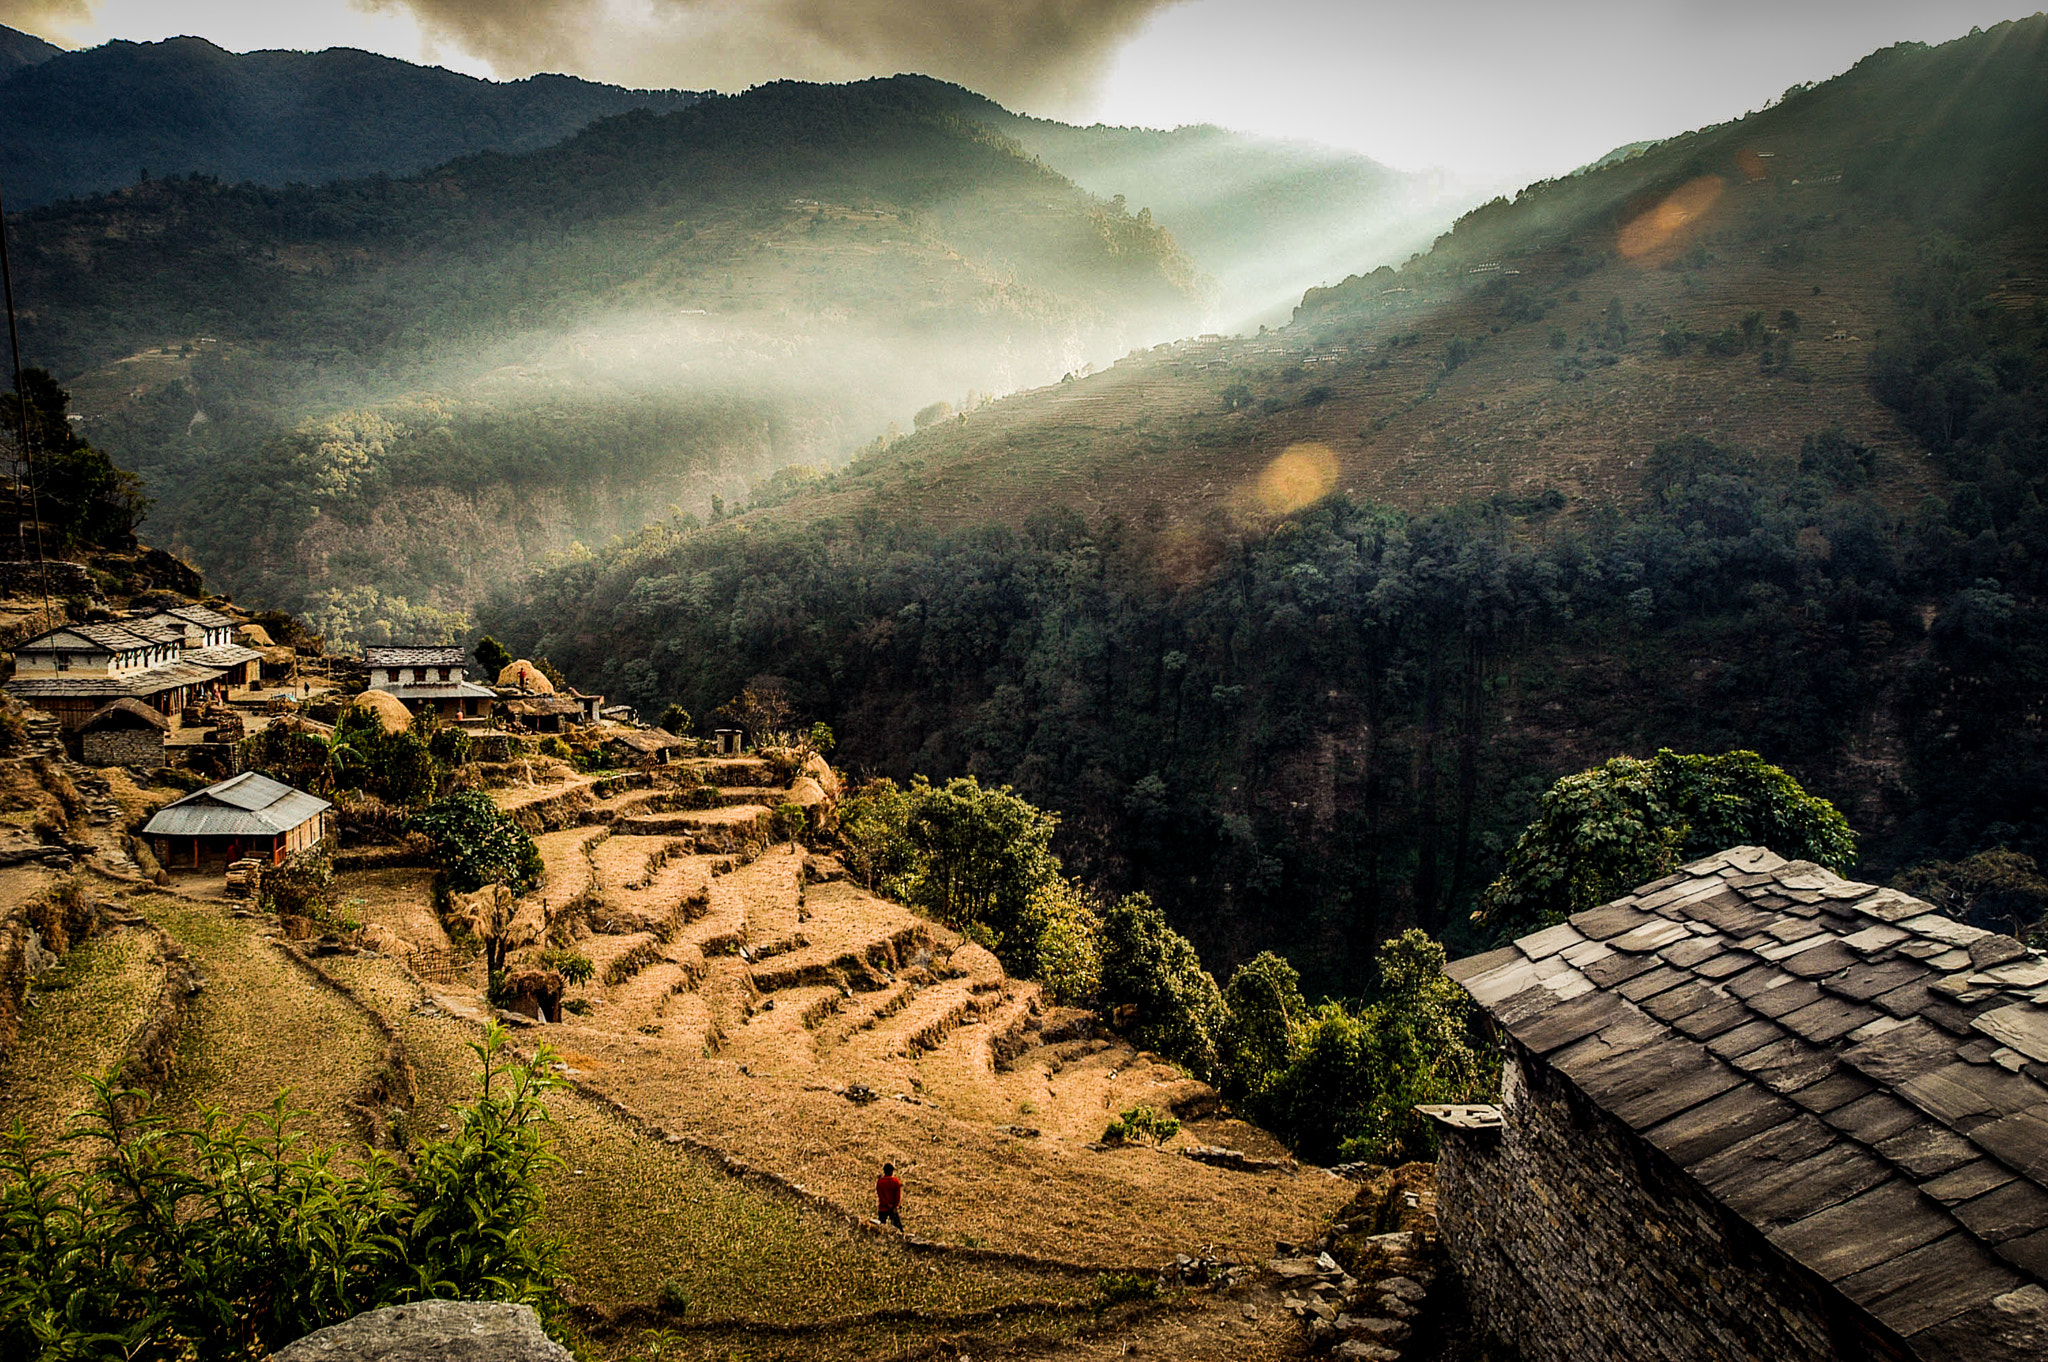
<point>1156,988</point>
<point>675,719</point>
<point>1265,1004</point>
<point>984,853</point>
<point>1602,832</point>
<point>491,657</point>
<point>476,844</point>
<point>757,711</point>
<point>1066,942</point>
<point>1356,1078</point>
<point>80,491</point>
<point>1999,889</point>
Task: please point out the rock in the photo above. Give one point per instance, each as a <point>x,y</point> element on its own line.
<point>860,1094</point>
<point>1987,951</point>
<point>1021,1132</point>
<point>1327,1263</point>
<point>1323,1310</point>
<point>1292,1267</point>
<point>1395,1308</point>
<point>1362,1351</point>
<point>1381,1331</point>
<point>443,1331</point>
<point>1407,1288</point>
<point>1321,1333</point>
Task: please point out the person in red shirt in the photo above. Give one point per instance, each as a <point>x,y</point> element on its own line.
<point>888,1196</point>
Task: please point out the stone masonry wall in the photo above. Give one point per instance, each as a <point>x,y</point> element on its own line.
<point>1578,1244</point>
<point>124,747</point>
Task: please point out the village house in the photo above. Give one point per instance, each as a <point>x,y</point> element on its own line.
<point>245,817</point>
<point>644,746</point>
<point>209,641</point>
<point>1757,1110</point>
<point>430,678</point>
<point>74,670</point>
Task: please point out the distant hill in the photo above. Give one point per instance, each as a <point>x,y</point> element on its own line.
<point>414,387</point>
<point>18,49</point>
<point>88,121</point>
<point>1739,442</point>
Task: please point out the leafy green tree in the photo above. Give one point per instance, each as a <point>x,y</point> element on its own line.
<point>1156,988</point>
<point>80,491</point>
<point>491,658</point>
<point>476,844</point>
<point>874,834</point>
<point>1356,1076</point>
<point>1066,936</point>
<point>983,853</point>
<point>1600,833</point>
<point>1265,1006</point>
<point>677,720</point>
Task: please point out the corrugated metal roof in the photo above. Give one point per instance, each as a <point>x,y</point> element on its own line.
<point>248,805</point>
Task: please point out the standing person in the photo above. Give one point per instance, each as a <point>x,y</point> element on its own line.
<point>888,1196</point>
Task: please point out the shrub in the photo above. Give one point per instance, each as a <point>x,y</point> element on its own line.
<point>139,1240</point>
<point>1114,1288</point>
<point>574,966</point>
<point>1174,1006</point>
<point>1142,1123</point>
<point>476,844</point>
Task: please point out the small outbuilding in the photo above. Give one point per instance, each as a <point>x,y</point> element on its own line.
<point>125,732</point>
<point>543,713</point>
<point>1756,1110</point>
<point>645,746</point>
<point>246,817</point>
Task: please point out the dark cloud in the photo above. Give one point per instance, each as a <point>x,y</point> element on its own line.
<point>1044,54</point>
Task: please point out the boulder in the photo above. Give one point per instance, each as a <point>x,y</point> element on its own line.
<point>431,1331</point>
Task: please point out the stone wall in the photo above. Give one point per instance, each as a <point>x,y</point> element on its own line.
<point>1580,1243</point>
<point>124,747</point>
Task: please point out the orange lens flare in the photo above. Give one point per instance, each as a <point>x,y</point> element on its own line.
<point>1656,228</point>
<point>1302,475</point>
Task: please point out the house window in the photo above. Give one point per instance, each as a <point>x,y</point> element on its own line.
<point>63,662</point>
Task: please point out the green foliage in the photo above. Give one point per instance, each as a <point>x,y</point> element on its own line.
<point>1265,1007</point>
<point>298,887</point>
<point>820,739</point>
<point>134,1239</point>
<point>491,658</point>
<point>1354,1076</point>
<point>981,853</point>
<point>475,844</point>
<point>1602,832</point>
<point>1066,941</point>
<point>1142,1123</point>
<point>1115,1288</point>
<point>80,491</point>
<point>1156,987</point>
<point>574,966</point>
<point>786,821</point>
<point>675,719</point>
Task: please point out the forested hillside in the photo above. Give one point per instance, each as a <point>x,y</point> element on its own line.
<point>1741,442</point>
<point>89,121</point>
<point>374,397</point>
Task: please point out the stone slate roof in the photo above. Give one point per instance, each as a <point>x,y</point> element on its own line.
<point>125,713</point>
<point>433,655</point>
<point>87,685</point>
<point>1859,1077</point>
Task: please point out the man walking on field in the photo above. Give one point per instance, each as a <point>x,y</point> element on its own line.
<point>888,1196</point>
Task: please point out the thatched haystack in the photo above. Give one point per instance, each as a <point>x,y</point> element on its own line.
<point>525,676</point>
<point>389,710</point>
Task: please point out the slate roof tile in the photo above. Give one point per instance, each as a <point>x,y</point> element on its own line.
<point>1864,1079</point>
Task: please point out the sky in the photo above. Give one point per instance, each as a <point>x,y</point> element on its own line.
<point>1496,92</point>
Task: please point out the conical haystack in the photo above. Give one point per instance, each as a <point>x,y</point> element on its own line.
<point>389,709</point>
<point>525,676</point>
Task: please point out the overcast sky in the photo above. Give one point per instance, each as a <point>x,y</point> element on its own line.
<point>1496,91</point>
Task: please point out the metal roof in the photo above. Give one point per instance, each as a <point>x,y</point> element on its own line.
<point>1861,1078</point>
<point>248,805</point>
<point>416,655</point>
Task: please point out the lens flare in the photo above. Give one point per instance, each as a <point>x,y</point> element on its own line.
<point>1304,473</point>
<point>1645,233</point>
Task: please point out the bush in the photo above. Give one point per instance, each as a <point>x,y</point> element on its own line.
<point>476,844</point>
<point>1114,1288</point>
<point>138,1240</point>
<point>573,966</point>
<point>1142,1123</point>
<point>1157,988</point>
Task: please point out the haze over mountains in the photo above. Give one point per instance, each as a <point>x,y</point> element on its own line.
<point>672,306</point>
<point>1739,442</point>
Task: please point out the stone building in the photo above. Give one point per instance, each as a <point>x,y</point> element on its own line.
<point>1755,1110</point>
<point>430,678</point>
<point>246,816</point>
<point>124,733</point>
<point>76,669</point>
